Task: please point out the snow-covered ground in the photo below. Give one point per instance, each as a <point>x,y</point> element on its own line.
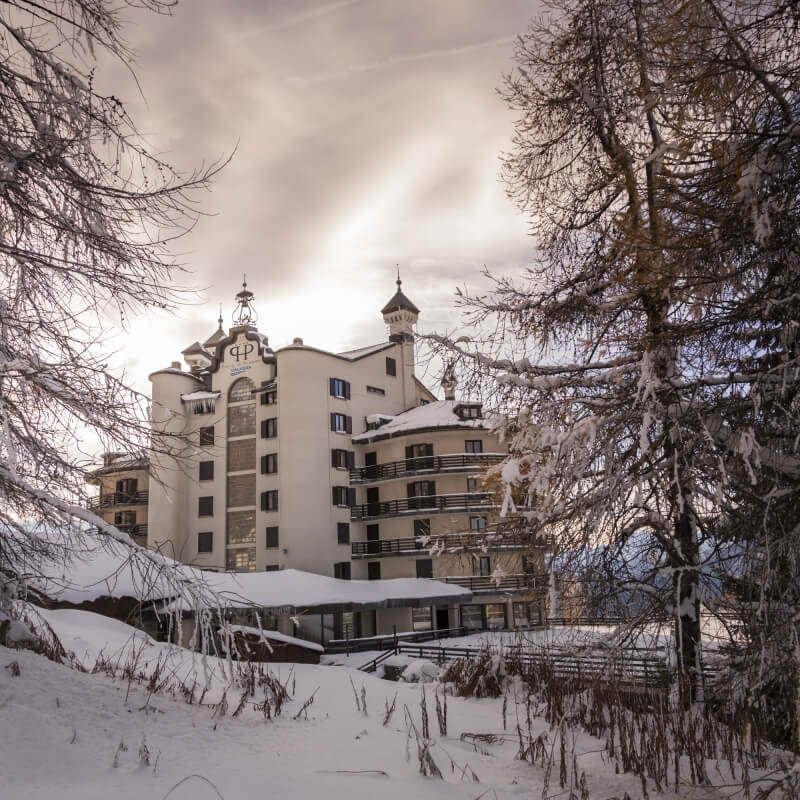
<point>78,736</point>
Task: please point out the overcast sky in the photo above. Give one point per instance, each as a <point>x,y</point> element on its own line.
<point>367,134</point>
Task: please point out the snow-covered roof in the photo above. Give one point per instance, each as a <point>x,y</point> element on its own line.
<point>107,572</point>
<point>196,349</point>
<point>439,414</point>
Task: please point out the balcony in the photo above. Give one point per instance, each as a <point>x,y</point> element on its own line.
<point>134,531</point>
<point>486,584</point>
<point>119,499</point>
<point>427,504</point>
<point>455,462</point>
<point>447,543</point>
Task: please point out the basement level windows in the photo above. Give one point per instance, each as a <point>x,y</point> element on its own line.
<point>341,423</point>
<point>339,388</point>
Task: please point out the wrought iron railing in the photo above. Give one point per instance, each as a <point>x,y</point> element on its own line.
<point>119,499</point>
<point>453,462</point>
<point>427,504</point>
<point>449,543</point>
<point>489,584</point>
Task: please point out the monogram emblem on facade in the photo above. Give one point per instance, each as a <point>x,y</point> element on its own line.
<point>242,351</point>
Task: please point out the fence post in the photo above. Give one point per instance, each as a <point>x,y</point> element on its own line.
<point>347,641</point>
<point>394,634</point>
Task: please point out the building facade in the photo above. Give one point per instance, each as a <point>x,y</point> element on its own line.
<point>341,464</point>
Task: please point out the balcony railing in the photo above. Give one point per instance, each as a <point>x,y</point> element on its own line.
<point>486,584</point>
<point>136,531</point>
<point>448,543</point>
<point>455,462</point>
<point>427,504</point>
<point>119,499</point>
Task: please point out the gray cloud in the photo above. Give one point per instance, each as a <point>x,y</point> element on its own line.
<point>367,134</point>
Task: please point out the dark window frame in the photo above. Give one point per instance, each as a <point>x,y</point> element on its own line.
<point>342,533</point>
<point>339,388</point>
<point>269,428</point>
<point>473,446</point>
<point>269,464</point>
<point>206,467</point>
<point>207,436</point>
<point>205,506</point>
<point>342,570</point>
<point>341,423</point>
<point>272,537</point>
<point>424,567</point>
<point>205,538</point>
<point>373,570</point>
<point>342,459</point>
<point>269,500</point>
<point>391,366</point>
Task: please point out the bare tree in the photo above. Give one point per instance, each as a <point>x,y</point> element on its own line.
<point>87,214</point>
<point>646,365</point>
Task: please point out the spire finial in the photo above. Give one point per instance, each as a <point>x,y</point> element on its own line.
<point>219,318</point>
<point>399,282</point>
<point>244,313</point>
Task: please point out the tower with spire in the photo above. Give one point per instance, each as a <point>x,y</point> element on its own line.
<point>400,314</point>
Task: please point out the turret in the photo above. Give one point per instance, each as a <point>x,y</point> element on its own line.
<point>400,314</point>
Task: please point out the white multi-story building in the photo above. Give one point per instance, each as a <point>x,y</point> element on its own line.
<point>342,464</point>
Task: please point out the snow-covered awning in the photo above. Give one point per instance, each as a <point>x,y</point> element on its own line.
<point>201,402</point>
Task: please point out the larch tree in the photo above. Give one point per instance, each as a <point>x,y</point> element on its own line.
<point>645,365</point>
<point>87,214</point>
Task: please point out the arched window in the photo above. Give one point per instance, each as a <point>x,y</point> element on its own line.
<point>241,390</point>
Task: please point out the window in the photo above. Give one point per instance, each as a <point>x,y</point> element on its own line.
<point>272,536</point>
<point>269,428</point>
<point>477,523</point>
<point>241,527</point>
<point>343,459</point>
<point>241,490</point>
<point>241,390</point>
<point>342,570</point>
<point>127,487</point>
<point>484,567</point>
<point>207,436</point>
<point>468,411</point>
<point>419,456</point>
<point>271,568</point>
<point>242,420</point>
<point>269,464</point>
<point>205,506</point>
<point>339,388</point>
<point>269,500</point>
<point>421,619</point>
<point>473,484</point>
<point>343,532</point>
<point>269,398</point>
<point>421,494</point>
<point>373,535</point>
<point>243,559</point>
<point>472,617</point>
<point>422,527</point>
<point>375,390</point>
<point>373,570</point>
<point>495,616</point>
<point>241,455</point>
<point>206,471</point>
<point>424,568</point>
<point>343,496</point>
<point>473,446</point>
<point>391,366</point>
<point>205,542</point>
<point>341,423</point>
<point>124,518</point>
